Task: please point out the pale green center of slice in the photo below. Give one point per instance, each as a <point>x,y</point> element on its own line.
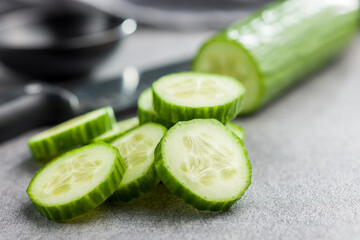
<point>73,175</point>
<point>137,150</point>
<point>198,89</point>
<point>204,161</point>
<point>206,158</point>
<point>79,170</point>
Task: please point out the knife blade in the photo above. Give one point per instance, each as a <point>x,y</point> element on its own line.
<point>39,104</point>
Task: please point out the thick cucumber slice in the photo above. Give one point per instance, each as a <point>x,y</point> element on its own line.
<point>236,129</point>
<point>279,45</point>
<point>76,182</point>
<point>72,133</point>
<point>120,129</point>
<point>203,163</point>
<point>146,111</point>
<point>189,95</point>
<point>137,149</point>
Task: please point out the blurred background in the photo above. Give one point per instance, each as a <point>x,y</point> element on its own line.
<point>50,50</point>
<point>167,30</point>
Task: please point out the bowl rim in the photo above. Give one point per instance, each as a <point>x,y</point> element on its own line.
<point>115,33</point>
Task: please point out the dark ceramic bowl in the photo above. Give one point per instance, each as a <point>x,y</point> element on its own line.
<point>59,41</point>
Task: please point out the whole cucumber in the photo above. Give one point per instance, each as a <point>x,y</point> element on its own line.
<point>279,45</point>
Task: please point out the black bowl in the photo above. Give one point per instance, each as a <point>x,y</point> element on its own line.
<point>59,41</point>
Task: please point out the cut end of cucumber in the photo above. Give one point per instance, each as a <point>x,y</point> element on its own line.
<point>72,175</point>
<point>197,90</point>
<point>137,149</point>
<point>229,58</point>
<point>207,161</point>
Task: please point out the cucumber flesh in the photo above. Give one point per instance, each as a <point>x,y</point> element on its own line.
<point>76,182</point>
<point>236,63</point>
<point>236,129</point>
<point>202,162</point>
<point>279,45</point>
<point>190,95</point>
<point>137,149</point>
<point>120,129</point>
<point>72,133</point>
<point>146,111</point>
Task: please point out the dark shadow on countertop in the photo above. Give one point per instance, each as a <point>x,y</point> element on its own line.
<point>159,204</point>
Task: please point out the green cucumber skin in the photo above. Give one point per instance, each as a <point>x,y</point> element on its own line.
<point>88,202</point>
<point>119,132</point>
<point>234,127</point>
<point>148,181</point>
<point>175,113</point>
<point>171,183</point>
<point>46,149</point>
<point>149,115</point>
<point>146,117</point>
<point>111,138</point>
<point>223,113</point>
<point>298,48</point>
<point>134,189</point>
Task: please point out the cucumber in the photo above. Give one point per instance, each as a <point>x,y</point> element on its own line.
<point>279,45</point>
<point>120,129</point>
<point>203,163</point>
<point>146,111</point>
<point>76,182</point>
<point>72,133</point>
<point>236,129</point>
<point>189,95</point>
<point>137,149</point>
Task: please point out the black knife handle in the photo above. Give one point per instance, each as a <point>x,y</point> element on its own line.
<point>38,105</point>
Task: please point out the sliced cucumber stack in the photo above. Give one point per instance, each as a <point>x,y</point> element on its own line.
<point>190,95</point>
<point>202,162</point>
<point>120,128</point>
<point>76,182</point>
<point>137,149</point>
<point>72,133</point>
<point>236,129</point>
<point>146,111</point>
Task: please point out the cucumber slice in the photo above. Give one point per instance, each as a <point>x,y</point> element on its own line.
<point>76,182</point>
<point>120,129</point>
<point>236,129</point>
<point>279,45</point>
<point>189,95</point>
<point>72,133</point>
<point>146,111</point>
<point>137,149</point>
<point>203,163</point>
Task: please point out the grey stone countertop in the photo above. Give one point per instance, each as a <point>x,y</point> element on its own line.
<point>304,149</point>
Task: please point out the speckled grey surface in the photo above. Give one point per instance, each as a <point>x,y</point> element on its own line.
<point>305,152</point>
